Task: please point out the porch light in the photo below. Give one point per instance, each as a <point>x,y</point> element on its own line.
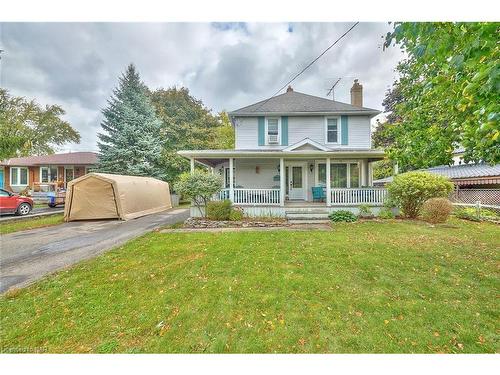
<point>311,167</point>
<point>278,167</point>
<point>257,169</point>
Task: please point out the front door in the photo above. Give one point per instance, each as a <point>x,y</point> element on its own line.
<point>296,181</point>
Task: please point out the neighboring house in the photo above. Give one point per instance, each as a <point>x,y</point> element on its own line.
<point>286,149</point>
<point>463,175</point>
<point>470,176</point>
<point>18,173</point>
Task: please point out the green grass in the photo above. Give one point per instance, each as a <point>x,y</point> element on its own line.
<point>31,223</point>
<point>393,286</point>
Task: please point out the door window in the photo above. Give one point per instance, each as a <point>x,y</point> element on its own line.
<point>297,177</point>
<point>69,174</point>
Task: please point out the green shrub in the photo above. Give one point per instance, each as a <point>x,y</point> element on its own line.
<point>365,211</point>
<point>236,215</point>
<point>410,190</point>
<point>219,210</point>
<point>342,215</point>
<point>471,213</point>
<point>436,210</point>
<point>385,213</point>
<point>199,187</point>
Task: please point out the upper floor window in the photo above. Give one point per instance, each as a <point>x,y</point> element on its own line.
<point>332,130</point>
<point>273,130</point>
<point>18,176</point>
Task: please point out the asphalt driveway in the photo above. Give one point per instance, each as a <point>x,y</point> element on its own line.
<point>29,255</point>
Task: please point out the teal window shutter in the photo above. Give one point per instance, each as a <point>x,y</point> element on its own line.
<point>344,130</point>
<point>284,130</point>
<point>262,130</point>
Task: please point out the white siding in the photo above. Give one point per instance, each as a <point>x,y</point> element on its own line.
<point>246,173</point>
<point>312,127</point>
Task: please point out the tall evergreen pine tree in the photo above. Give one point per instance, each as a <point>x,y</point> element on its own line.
<point>130,142</point>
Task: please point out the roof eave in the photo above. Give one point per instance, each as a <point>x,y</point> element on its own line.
<point>371,113</point>
<point>219,154</point>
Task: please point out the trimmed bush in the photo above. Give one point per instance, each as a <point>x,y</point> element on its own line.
<point>236,215</point>
<point>365,211</point>
<point>385,213</point>
<point>410,190</point>
<point>219,210</point>
<point>436,210</point>
<point>342,215</point>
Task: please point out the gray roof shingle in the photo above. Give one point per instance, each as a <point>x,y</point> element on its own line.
<point>82,158</point>
<point>297,102</point>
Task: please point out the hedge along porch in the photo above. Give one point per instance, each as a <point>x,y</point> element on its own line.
<point>271,183</point>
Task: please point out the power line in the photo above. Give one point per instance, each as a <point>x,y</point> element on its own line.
<point>309,65</point>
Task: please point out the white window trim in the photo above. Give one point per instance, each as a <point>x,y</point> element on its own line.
<point>347,162</point>
<point>279,131</point>
<point>18,182</point>
<point>339,135</point>
<point>48,174</point>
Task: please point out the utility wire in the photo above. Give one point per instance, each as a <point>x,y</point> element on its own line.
<point>309,65</point>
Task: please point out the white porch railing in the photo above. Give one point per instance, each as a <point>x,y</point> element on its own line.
<point>372,196</point>
<point>339,197</point>
<point>222,195</point>
<point>252,196</point>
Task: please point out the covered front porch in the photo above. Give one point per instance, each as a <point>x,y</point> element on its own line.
<point>295,180</point>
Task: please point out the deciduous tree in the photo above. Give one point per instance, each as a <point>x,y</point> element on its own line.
<point>26,128</point>
<point>450,90</point>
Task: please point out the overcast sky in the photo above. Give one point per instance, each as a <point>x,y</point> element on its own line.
<point>227,66</point>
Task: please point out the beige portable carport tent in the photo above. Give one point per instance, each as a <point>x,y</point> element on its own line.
<point>113,196</point>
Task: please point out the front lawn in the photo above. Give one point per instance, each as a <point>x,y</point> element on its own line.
<point>30,223</point>
<point>393,286</point>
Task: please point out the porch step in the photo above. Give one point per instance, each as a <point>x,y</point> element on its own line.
<point>307,217</point>
<point>308,221</point>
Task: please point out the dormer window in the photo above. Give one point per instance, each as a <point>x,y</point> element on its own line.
<point>273,127</point>
<point>332,130</point>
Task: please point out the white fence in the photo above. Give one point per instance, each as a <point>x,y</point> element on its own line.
<point>471,196</point>
<point>371,196</point>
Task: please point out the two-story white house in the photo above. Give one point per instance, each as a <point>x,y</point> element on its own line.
<point>296,151</point>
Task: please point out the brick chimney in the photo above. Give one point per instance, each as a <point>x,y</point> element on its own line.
<point>289,89</point>
<point>357,94</point>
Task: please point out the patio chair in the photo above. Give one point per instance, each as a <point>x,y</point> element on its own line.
<point>318,194</point>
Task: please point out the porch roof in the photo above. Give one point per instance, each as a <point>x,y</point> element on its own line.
<point>215,156</point>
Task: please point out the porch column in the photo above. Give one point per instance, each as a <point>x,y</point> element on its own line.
<point>282,182</point>
<point>370,174</point>
<point>328,184</point>
<point>363,174</point>
<point>231,179</point>
<point>192,165</point>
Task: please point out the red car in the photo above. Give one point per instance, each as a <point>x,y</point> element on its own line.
<point>11,203</point>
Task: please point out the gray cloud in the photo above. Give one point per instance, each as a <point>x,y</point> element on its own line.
<point>227,66</point>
